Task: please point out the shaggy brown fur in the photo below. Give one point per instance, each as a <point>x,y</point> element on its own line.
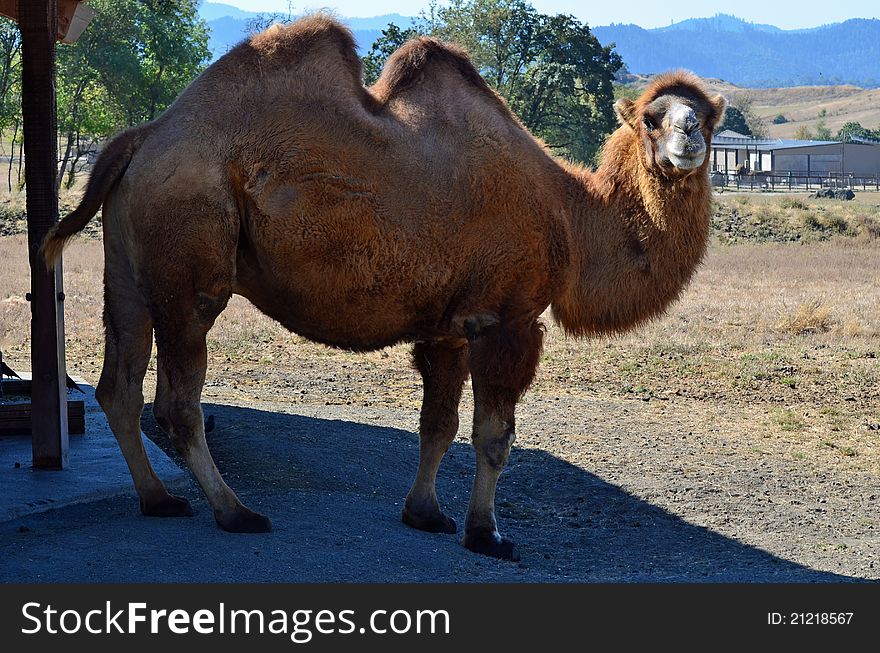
<point>418,210</point>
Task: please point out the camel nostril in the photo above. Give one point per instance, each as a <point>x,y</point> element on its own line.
<point>686,128</point>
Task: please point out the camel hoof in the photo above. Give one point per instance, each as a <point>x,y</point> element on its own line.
<point>243,520</point>
<point>490,543</point>
<point>167,506</point>
<point>434,523</point>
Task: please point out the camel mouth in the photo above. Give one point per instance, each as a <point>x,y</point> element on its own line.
<point>687,162</point>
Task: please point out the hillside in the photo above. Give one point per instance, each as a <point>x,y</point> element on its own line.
<point>801,106</point>
<point>754,55</point>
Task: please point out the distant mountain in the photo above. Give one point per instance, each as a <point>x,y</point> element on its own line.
<point>721,46</point>
<point>720,23</point>
<point>214,10</point>
<point>747,54</point>
<point>228,24</point>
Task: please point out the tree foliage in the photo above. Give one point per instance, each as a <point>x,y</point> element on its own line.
<point>851,130</point>
<point>127,67</point>
<point>744,104</point>
<point>553,72</point>
<point>734,120</point>
<point>392,38</point>
<point>819,132</point>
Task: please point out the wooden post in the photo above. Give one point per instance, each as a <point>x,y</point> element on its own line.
<point>37,21</point>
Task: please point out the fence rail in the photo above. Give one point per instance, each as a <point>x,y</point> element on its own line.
<point>794,181</point>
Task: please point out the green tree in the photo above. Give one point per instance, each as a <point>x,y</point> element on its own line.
<point>822,132</point>
<point>779,119</point>
<point>128,66</point>
<point>10,94</point>
<point>172,49</point>
<point>566,95</point>
<point>10,71</point>
<point>553,72</point>
<point>745,105</point>
<point>734,120</point>
<point>392,38</point>
<point>501,36</point>
<point>850,129</point>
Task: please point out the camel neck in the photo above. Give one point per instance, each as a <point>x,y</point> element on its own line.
<point>638,238</point>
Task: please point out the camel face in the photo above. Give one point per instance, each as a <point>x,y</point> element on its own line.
<point>683,145</point>
<point>675,128</point>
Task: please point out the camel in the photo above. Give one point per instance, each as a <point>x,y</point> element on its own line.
<point>419,210</point>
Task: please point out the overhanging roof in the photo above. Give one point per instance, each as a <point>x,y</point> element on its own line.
<point>764,144</point>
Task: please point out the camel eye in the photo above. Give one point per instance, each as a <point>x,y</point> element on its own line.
<point>649,124</point>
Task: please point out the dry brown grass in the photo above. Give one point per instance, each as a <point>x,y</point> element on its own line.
<point>796,217</point>
<point>718,361</point>
<point>802,104</point>
<point>811,316</point>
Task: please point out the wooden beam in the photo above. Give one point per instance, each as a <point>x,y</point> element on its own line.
<point>38,23</point>
<point>66,10</point>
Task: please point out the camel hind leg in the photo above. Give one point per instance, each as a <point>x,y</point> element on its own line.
<point>129,339</point>
<point>185,300</point>
<point>180,377</point>
<point>444,369</point>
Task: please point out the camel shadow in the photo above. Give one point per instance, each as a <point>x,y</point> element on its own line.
<point>336,486</point>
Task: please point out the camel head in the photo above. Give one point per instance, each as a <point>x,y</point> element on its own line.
<point>674,119</point>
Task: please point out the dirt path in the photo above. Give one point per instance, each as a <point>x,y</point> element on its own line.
<point>621,499</point>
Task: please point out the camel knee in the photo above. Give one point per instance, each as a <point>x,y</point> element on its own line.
<point>182,421</point>
<point>162,415</point>
<point>495,450</point>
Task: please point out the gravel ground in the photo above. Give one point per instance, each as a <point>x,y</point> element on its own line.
<point>622,499</point>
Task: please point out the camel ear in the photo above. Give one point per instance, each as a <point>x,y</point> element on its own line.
<point>626,111</point>
<point>719,104</point>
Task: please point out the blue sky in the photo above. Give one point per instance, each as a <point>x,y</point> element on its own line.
<point>787,14</point>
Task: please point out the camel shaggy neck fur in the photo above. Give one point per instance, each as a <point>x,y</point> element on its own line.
<point>638,238</point>
<point>419,210</point>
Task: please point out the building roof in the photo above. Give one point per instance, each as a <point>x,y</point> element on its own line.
<point>729,133</point>
<point>732,140</point>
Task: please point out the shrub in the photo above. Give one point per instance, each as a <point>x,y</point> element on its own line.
<point>812,316</point>
<point>794,203</point>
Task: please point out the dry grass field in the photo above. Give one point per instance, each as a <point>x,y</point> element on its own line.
<point>775,344</point>
<point>801,106</point>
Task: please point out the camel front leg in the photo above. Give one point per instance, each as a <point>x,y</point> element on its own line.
<point>444,369</point>
<point>503,364</point>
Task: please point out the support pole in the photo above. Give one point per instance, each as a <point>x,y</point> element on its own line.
<point>37,21</point>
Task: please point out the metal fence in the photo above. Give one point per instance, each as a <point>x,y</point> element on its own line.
<point>794,181</point>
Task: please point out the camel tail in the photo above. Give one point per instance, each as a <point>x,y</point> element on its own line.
<point>111,165</point>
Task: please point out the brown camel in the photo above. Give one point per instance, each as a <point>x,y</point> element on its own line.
<point>418,210</point>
